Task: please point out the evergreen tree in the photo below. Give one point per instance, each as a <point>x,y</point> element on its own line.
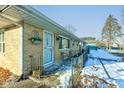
<point>110,30</point>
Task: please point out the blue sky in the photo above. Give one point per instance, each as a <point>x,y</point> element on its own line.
<point>87,20</point>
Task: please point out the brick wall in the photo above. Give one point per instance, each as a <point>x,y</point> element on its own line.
<point>36,51</point>
<point>11,58</point>
<point>57,56</point>
<point>60,56</point>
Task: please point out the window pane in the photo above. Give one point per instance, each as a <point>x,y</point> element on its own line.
<point>0,36</point>
<point>3,47</point>
<point>68,43</point>
<point>49,38</point>
<point>64,43</point>
<point>60,42</point>
<point>0,47</point>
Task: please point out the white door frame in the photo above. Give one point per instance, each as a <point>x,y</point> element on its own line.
<point>48,64</point>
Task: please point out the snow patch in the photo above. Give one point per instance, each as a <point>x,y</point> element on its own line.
<point>114,68</point>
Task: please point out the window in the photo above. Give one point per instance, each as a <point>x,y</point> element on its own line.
<point>60,42</point>
<point>64,43</point>
<point>2,44</point>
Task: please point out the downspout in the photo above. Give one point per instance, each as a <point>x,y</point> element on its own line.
<point>22,50</point>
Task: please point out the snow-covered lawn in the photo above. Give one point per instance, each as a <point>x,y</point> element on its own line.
<point>64,76</point>
<point>114,68</point>
<point>103,54</point>
<point>93,68</point>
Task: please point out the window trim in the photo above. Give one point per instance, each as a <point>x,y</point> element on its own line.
<point>64,49</point>
<point>2,42</point>
<point>63,37</point>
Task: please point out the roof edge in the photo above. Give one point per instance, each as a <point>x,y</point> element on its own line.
<point>40,15</point>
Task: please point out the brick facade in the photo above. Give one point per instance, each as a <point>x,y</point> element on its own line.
<point>33,54</point>
<point>11,58</point>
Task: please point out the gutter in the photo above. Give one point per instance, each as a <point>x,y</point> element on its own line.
<point>51,21</point>
<point>5,8</point>
<point>33,12</point>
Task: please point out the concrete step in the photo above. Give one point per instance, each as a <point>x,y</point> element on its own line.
<point>51,69</point>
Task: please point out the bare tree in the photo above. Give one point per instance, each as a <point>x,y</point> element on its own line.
<point>70,28</point>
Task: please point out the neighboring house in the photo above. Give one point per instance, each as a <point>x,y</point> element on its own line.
<point>29,40</point>
<point>119,39</point>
